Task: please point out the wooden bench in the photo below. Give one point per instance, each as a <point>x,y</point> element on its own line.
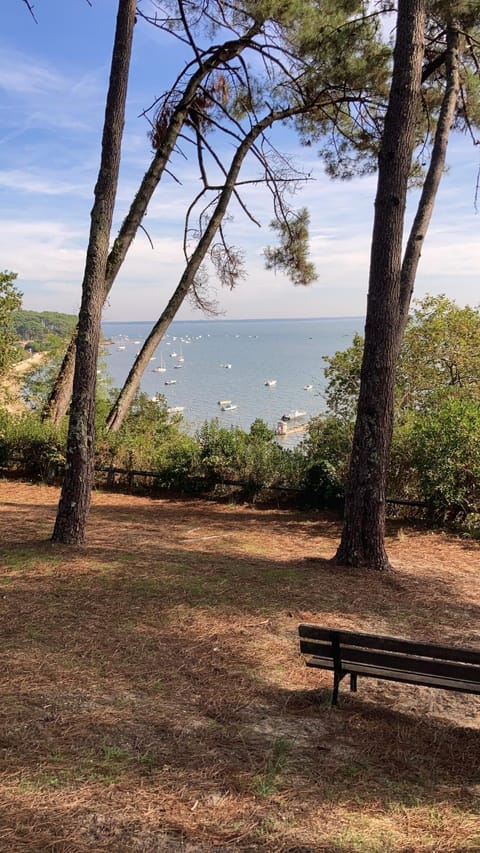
<point>391,658</point>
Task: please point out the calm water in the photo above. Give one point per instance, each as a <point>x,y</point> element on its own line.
<point>288,351</point>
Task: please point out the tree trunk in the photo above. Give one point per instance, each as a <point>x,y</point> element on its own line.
<point>362,542</point>
<point>75,497</point>
<point>58,402</point>
<point>432,180</point>
<point>132,383</point>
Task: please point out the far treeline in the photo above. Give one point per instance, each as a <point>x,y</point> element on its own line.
<point>35,328</point>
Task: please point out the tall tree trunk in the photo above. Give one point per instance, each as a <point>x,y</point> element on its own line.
<point>75,497</point>
<point>432,180</point>
<point>132,383</point>
<point>362,542</point>
<point>58,402</point>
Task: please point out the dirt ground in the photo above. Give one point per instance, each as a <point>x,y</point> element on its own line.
<point>154,698</point>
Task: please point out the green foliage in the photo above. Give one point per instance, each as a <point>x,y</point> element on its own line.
<point>39,326</point>
<point>436,439</point>
<point>327,452</point>
<point>254,458</point>
<point>440,357</point>
<point>291,256</point>
<point>37,448</point>
<point>343,379</point>
<point>440,354</point>
<point>446,453</point>
<point>145,429</point>
<point>10,301</point>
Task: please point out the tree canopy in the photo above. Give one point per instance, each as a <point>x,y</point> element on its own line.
<point>439,358</point>
<point>10,301</point>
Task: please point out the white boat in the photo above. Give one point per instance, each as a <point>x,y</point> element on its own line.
<point>170,381</point>
<point>224,402</point>
<point>307,387</point>
<point>270,383</point>
<point>162,368</point>
<point>229,407</point>
<point>119,349</point>
<point>177,366</point>
<point>293,415</point>
<point>175,410</point>
<point>226,366</point>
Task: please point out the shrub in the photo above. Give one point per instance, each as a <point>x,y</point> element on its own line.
<point>446,452</point>
<point>327,452</point>
<point>36,448</point>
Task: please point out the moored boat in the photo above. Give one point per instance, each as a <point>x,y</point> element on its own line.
<point>293,415</point>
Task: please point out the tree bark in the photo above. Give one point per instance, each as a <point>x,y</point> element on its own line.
<point>58,402</point>
<point>362,542</point>
<point>75,496</point>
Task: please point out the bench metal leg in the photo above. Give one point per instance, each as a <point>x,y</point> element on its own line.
<point>336,683</point>
<point>353,682</point>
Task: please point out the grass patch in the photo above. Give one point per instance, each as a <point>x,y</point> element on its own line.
<point>266,783</point>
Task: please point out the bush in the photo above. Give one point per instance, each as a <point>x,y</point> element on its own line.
<point>253,458</point>
<point>327,452</point>
<point>36,448</point>
<point>446,453</point>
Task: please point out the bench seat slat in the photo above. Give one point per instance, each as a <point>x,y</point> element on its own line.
<point>401,662</point>
<point>397,644</point>
<point>421,679</point>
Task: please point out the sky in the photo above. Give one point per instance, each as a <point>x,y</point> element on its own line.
<point>53,82</point>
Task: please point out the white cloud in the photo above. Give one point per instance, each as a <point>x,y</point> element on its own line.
<point>41,182</point>
<point>19,76</point>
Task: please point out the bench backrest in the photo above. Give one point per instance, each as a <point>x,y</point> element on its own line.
<point>393,653</point>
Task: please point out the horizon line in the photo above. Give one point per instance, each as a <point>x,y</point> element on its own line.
<point>248,319</point>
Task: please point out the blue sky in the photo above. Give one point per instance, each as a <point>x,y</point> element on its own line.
<point>53,79</point>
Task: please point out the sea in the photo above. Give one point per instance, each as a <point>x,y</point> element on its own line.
<point>214,361</point>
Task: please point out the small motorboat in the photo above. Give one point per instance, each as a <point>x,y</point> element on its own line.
<point>293,415</point>
<point>307,387</point>
<point>170,381</point>
<point>229,407</point>
<point>224,402</point>
<point>175,410</point>
<point>270,383</point>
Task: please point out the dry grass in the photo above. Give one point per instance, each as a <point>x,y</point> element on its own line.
<point>153,696</point>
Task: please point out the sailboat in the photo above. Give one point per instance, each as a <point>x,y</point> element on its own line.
<point>162,368</point>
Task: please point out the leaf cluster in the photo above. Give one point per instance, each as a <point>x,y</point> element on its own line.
<point>10,302</point>
<point>439,359</point>
<point>291,255</point>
